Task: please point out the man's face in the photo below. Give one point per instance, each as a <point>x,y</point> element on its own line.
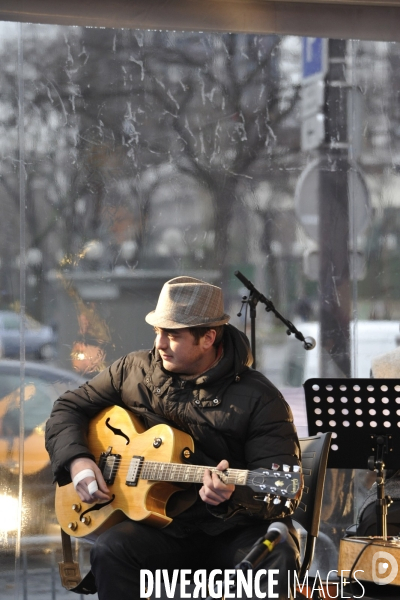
<point>181,354</point>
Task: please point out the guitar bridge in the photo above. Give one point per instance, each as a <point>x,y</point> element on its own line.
<point>108,465</point>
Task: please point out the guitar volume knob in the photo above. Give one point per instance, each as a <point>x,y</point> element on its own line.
<point>86,520</point>
<point>73,525</point>
<point>76,507</point>
<point>157,442</point>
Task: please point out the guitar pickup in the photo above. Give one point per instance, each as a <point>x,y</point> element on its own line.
<point>108,465</point>
<point>135,467</point>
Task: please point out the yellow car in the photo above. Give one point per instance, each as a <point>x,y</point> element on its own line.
<point>27,463</point>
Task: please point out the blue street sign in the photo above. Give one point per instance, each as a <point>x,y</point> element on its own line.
<point>314,58</point>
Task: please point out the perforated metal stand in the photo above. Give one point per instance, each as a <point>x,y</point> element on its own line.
<point>364,417</point>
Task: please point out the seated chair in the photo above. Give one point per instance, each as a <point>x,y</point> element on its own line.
<point>314,452</point>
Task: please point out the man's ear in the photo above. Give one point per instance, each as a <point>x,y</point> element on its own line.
<point>208,339</point>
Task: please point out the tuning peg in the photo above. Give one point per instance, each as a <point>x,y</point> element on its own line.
<point>296,469</point>
<point>275,467</point>
<point>276,501</point>
<point>267,498</point>
<point>285,468</point>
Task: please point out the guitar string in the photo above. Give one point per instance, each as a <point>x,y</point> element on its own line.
<point>183,467</point>
<point>268,472</point>
<point>154,470</point>
<point>164,466</point>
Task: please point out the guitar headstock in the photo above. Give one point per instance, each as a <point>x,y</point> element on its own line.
<point>277,487</point>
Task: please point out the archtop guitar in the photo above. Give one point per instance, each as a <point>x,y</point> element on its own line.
<point>143,468</point>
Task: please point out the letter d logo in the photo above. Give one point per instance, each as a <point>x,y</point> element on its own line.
<point>384,568</point>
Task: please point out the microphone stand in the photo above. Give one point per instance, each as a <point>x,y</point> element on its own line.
<point>251,561</point>
<point>382,501</point>
<point>254,298</point>
<point>247,564</point>
<point>252,301</point>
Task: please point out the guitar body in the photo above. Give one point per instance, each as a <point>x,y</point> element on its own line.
<point>144,502</point>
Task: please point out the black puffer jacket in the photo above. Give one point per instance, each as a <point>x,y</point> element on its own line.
<point>232,412</point>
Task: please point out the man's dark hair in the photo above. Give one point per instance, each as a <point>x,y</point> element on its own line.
<point>198,332</point>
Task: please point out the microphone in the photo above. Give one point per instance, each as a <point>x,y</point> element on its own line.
<point>309,343</point>
<point>276,533</point>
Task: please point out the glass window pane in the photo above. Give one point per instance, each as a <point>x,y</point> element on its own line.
<point>129,157</point>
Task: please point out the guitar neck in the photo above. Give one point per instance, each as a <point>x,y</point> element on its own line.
<point>160,471</point>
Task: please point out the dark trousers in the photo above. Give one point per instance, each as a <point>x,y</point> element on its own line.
<point>123,550</point>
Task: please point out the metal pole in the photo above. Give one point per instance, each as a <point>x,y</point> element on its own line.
<point>334,229</point>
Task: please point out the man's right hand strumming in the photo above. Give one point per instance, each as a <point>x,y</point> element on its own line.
<point>88,480</point>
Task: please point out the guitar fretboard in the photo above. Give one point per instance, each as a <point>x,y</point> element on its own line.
<point>159,471</point>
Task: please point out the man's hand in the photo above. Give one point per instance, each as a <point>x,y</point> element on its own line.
<point>90,488</point>
<point>214,491</point>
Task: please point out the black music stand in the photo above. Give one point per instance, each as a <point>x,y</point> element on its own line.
<point>364,418</point>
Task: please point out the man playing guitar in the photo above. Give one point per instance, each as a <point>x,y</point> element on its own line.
<point>197,379</point>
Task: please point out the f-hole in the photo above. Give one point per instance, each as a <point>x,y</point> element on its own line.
<point>97,507</point>
<point>117,431</point>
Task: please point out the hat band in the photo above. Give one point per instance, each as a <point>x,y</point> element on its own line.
<point>187,319</point>
<point>175,321</point>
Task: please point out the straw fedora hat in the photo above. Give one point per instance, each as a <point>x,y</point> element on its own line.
<point>188,302</point>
